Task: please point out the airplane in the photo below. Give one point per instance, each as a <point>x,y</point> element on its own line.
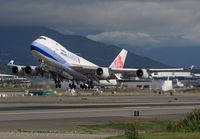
<point>65,65</point>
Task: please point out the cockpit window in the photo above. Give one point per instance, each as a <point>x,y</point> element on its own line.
<point>42,38</point>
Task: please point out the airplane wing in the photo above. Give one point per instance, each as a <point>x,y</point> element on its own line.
<point>126,72</point>
<point>11,64</point>
<point>143,73</point>
<point>110,73</point>
<point>21,70</point>
<point>88,71</point>
<point>104,72</point>
<point>16,69</point>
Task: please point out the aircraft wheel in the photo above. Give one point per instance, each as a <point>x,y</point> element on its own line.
<point>85,86</point>
<point>82,86</point>
<point>74,86</point>
<point>92,87</point>
<point>70,86</point>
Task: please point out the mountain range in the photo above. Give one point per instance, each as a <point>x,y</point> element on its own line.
<point>15,42</point>
<point>181,56</point>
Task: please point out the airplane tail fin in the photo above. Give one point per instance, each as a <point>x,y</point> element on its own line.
<point>191,67</point>
<point>119,60</point>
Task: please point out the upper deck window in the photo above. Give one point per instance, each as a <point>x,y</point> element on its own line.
<point>42,38</point>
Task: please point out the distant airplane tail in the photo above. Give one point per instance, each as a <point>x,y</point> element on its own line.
<point>191,67</point>
<point>119,62</point>
<point>11,62</point>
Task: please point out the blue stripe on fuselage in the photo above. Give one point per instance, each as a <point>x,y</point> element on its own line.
<point>42,52</point>
<point>48,52</point>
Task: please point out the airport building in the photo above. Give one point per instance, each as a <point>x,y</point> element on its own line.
<point>6,77</point>
<point>171,74</point>
<point>186,78</point>
<point>7,80</point>
<point>178,79</point>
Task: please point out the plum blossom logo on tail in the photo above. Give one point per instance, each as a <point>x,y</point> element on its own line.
<point>118,62</point>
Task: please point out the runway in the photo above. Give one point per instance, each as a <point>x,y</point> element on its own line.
<point>65,113</point>
<point>68,116</point>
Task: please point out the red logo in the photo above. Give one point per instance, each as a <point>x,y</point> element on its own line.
<point>118,62</point>
<point>79,60</point>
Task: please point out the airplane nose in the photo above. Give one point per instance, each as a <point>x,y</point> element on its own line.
<point>34,46</point>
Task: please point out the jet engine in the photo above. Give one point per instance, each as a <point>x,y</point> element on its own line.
<point>142,73</point>
<point>17,70</point>
<point>103,73</point>
<point>31,70</point>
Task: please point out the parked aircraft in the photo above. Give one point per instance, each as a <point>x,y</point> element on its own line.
<point>65,65</point>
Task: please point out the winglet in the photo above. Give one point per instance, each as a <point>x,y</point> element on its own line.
<point>11,62</point>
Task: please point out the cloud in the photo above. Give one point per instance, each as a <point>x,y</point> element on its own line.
<point>127,18</point>
<point>136,15</point>
<point>124,38</point>
<point>194,34</point>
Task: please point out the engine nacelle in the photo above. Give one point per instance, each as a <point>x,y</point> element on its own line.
<point>31,70</point>
<point>17,70</point>
<point>103,73</point>
<point>142,73</point>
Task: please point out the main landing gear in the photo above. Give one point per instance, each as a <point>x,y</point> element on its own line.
<point>72,86</point>
<point>89,85</point>
<point>58,83</point>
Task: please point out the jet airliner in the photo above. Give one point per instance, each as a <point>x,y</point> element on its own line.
<point>65,65</point>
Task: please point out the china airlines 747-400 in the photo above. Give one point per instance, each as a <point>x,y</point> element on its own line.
<point>65,65</point>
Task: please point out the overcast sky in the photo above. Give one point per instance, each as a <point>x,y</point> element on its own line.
<point>141,23</point>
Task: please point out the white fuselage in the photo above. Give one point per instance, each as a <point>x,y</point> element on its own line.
<point>58,59</point>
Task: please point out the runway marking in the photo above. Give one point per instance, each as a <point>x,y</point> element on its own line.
<point>164,107</point>
<point>137,107</point>
<point>109,110</point>
<point>54,112</point>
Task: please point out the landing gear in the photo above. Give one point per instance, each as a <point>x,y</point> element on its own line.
<point>83,86</point>
<point>88,85</point>
<point>72,86</point>
<point>57,83</point>
<point>57,80</point>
